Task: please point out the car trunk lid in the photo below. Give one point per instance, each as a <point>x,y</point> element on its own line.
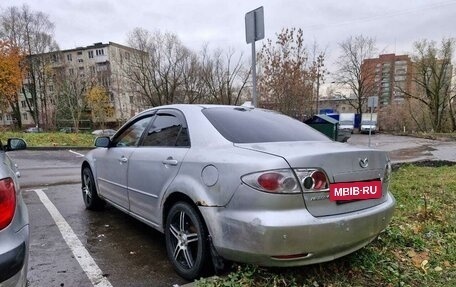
<point>340,162</point>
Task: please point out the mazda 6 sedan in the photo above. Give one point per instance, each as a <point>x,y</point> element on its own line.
<point>240,184</point>
<point>14,221</point>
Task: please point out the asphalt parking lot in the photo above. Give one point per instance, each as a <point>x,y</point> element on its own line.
<point>71,246</point>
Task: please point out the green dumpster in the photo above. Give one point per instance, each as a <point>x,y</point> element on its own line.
<point>325,125</point>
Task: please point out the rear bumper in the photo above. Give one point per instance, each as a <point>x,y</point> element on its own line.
<point>258,236</point>
<point>14,249</point>
<point>13,263</point>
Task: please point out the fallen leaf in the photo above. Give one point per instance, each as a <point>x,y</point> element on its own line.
<point>411,254</point>
<point>438,268</point>
<point>419,258</point>
<point>423,265</point>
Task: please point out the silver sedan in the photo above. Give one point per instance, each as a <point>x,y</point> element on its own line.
<point>240,184</point>
<point>14,221</point>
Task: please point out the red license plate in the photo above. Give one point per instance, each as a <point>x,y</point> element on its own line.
<point>355,190</point>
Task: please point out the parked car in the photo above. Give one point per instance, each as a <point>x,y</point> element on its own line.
<point>14,221</point>
<point>34,130</point>
<point>67,130</point>
<point>105,132</point>
<point>241,184</point>
<point>369,123</point>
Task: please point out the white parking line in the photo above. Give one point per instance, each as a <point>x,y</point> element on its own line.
<point>76,153</point>
<point>80,253</point>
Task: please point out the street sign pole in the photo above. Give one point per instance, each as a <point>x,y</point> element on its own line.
<point>372,102</point>
<point>254,91</point>
<point>254,31</point>
<point>370,129</point>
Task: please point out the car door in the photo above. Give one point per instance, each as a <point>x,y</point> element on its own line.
<point>156,162</point>
<point>112,163</point>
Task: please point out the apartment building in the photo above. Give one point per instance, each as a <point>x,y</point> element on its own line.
<point>79,68</point>
<point>389,77</point>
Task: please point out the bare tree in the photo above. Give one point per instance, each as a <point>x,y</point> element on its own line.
<point>431,74</point>
<point>225,77</point>
<point>33,33</point>
<point>353,73</point>
<point>194,88</point>
<point>453,101</point>
<point>159,71</point>
<point>72,85</point>
<point>167,72</point>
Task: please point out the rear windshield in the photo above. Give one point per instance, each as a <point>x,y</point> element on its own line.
<point>244,125</point>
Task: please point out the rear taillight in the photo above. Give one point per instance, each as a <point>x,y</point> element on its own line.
<point>7,202</point>
<point>313,180</point>
<point>275,181</point>
<point>288,181</point>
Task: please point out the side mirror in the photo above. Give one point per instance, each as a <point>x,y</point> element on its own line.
<point>15,144</point>
<point>102,142</point>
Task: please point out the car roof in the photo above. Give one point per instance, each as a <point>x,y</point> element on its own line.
<point>190,107</point>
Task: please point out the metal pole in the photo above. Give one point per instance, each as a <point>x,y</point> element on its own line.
<point>370,128</point>
<point>254,75</point>
<point>318,92</point>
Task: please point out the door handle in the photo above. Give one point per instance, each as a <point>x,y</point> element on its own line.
<point>123,159</point>
<point>169,161</point>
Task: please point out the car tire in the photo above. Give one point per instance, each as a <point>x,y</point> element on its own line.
<point>89,191</point>
<point>187,243</point>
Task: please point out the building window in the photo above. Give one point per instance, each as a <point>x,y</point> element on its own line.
<point>92,69</point>
<point>79,52</point>
<point>25,116</point>
<point>69,57</point>
<point>23,104</point>
<point>8,117</point>
<point>99,52</point>
<point>51,88</point>
<point>80,60</point>
<point>127,56</point>
<point>71,71</point>
<point>90,54</point>
<point>81,72</point>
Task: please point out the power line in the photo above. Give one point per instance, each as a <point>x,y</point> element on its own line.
<point>391,14</point>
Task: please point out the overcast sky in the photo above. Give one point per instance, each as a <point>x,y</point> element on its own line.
<point>394,24</point>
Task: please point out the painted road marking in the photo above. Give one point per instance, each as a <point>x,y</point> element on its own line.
<point>76,153</point>
<point>80,253</point>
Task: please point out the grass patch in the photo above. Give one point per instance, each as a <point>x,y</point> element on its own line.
<point>51,139</point>
<point>417,249</point>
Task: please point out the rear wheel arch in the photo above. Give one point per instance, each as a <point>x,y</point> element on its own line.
<point>174,198</point>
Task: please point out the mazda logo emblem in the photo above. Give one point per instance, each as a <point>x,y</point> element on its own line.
<point>363,162</point>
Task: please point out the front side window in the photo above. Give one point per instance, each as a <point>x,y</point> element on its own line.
<point>131,135</point>
<point>167,130</point>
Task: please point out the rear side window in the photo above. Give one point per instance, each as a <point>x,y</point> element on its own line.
<point>243,125</point>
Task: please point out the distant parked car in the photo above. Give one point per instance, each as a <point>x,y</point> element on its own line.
<point>242,184</point>
<point>14,221</point>
<point>105,132</point>
<point>34,130</point>
<point>66,130</point>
